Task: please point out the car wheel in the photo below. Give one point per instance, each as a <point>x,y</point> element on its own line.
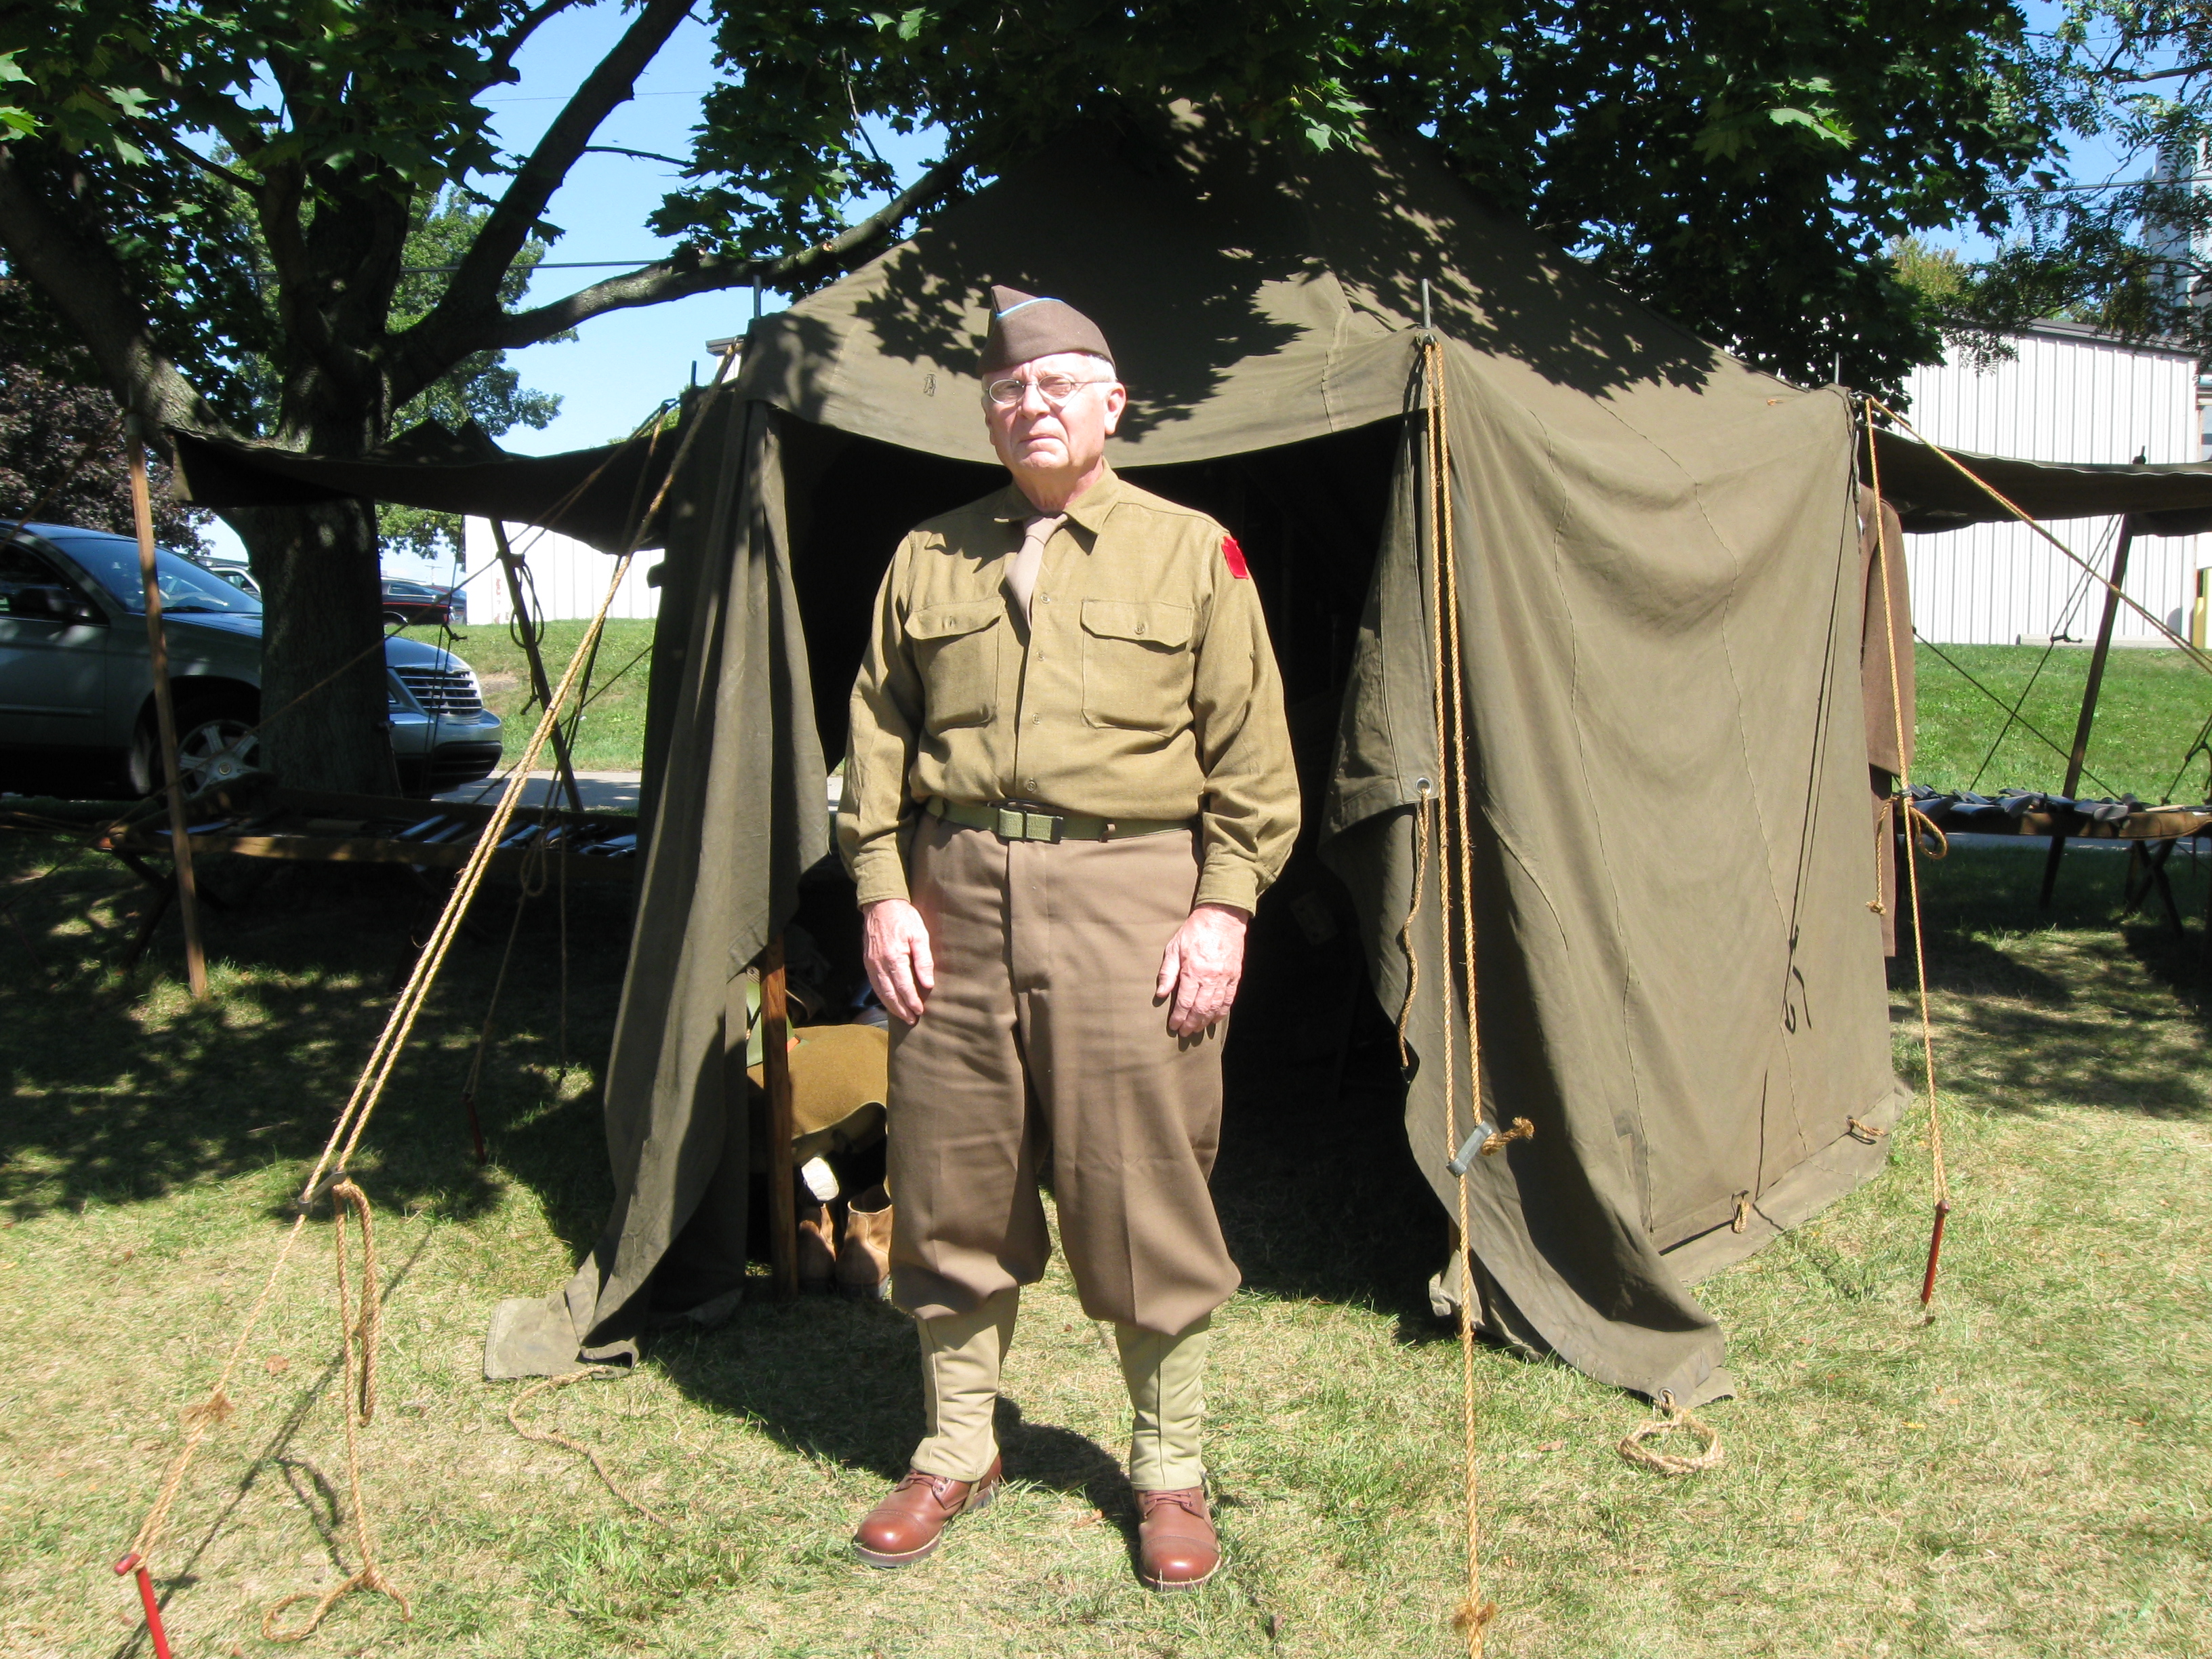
<point>395,619</point>
<point>215,742</point>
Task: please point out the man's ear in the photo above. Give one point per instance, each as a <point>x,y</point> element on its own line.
<point>1118,399</point>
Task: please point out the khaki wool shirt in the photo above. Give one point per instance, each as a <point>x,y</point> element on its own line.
<point>1142,687</point>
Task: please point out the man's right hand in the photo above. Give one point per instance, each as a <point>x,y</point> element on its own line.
<point>899,963</point>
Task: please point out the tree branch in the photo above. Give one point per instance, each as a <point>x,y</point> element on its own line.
<point>641,154</point>
<point>2162,74</point>
<point>668,280</point>
<point>89,286</point>
<point>155,134</point>
<point>475,287</point>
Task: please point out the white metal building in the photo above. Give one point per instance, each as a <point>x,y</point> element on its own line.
<point>569,578</point>
<point>2069,394</point>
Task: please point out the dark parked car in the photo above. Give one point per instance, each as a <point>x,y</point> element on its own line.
<point>74,679</point>
<point>407,604</point>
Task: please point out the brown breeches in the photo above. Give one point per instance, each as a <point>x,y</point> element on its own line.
<point>1041,1052</point>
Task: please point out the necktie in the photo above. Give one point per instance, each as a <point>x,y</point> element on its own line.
<point>1022,574</point>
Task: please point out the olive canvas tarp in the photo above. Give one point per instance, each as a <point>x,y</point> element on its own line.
<point>1659,563</point>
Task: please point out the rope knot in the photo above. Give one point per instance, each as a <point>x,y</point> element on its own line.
<point>1473,1622</point>
<point>1867,1132</point>
<point>1498,1140</point>
<point>216,1408</point>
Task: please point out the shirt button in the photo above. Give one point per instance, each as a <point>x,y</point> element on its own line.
<point>1140,628</point>
<point>1030,784</point>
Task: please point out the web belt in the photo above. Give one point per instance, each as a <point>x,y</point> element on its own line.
<point>1022,820</point>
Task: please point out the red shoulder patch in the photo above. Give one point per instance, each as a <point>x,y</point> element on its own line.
<point>1234,556</point>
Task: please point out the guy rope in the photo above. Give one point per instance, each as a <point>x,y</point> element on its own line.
<point>1456,902</point>
<point>1939,1177</point>
<point>330,1177</point>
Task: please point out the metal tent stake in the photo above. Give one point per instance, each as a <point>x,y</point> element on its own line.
<point>165,715</point>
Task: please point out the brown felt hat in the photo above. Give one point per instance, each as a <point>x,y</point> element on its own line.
<point>1023,327</point>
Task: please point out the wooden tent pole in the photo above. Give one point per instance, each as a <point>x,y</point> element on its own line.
<point>2074,762</point>
<point>776,1075</point>
<point>165,717</point>
<point>525,626</point>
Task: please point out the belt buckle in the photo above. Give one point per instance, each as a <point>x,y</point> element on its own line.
<point>1030,817</point>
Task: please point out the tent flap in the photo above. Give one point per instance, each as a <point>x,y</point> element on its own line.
<point>737,815</point>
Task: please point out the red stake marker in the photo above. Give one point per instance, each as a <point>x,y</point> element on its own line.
<point>134,1562</point>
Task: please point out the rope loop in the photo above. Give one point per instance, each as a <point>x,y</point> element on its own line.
<point>1672,1417</point>
<point>1918,823</point>
<point>368,1578</point>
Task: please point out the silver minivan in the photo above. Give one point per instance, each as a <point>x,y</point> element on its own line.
<point>74,679</point>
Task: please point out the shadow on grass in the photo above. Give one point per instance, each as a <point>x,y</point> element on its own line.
<point>119,1090</point>
<point>2033,992</point>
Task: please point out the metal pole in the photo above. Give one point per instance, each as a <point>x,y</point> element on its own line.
<point>776,1075</point>
<point>2074,762</point>
<point>526,626</point>
<point>165,717</point>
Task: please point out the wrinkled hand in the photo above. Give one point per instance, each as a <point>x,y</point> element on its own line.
<point>898,958</point>
<point>1202,967</point>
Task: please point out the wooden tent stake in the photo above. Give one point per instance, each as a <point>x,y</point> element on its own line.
<point>526,628</point>
<point>2075,761</point>
<point>776,1075</point>
<point>164,716</point>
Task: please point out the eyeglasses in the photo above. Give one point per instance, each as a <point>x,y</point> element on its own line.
<point>1054,389</point>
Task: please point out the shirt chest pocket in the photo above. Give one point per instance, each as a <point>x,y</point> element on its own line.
<point>956,652</point>
<point>1136,664</point>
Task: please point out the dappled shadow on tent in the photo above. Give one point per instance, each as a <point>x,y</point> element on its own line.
<point>1202,254</point>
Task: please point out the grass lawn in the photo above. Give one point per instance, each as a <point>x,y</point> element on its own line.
<point>612,736</point>
<point>2149,710</point>
<point>2029,1475</point>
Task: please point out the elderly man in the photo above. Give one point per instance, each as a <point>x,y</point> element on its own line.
<point>1068,782</point>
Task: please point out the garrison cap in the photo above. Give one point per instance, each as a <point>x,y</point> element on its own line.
<point>1024,325</point>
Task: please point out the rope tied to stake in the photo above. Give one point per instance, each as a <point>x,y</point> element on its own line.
<point>352,1122</point>
<point>1939,1177</point>
<point>1672,1417</point>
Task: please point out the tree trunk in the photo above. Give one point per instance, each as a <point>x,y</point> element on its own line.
<point>324,704</point>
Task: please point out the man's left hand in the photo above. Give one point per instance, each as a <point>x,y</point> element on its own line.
<point>1202,967</point>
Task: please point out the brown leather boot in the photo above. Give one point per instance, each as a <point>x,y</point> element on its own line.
<point>908,1524</point>
<point>1177,1546</point>
<point>817,1248</point>
<point>864,1258</point>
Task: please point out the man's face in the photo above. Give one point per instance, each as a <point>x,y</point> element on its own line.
<point>1033,436</point>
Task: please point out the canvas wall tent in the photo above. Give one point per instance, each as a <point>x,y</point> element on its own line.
<point>1662,581</point>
